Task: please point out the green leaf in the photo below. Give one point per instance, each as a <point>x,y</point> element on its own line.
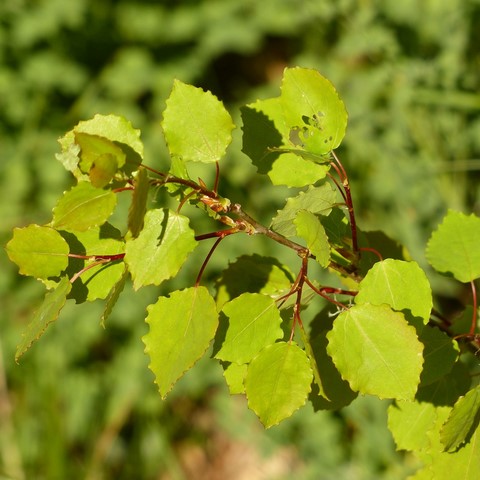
<point>440,354</point>
<point>316,200</point>
<point>256,274</point>
<point>312,110</point>
<point>181,328</point>
<point>278,381</point>
<point>113,296</point>
<point>253,323</point>
<point>410,423</point>
<point>138,207</point>
<point>98,281</point>
<point>234,375</point>
<point>453,248</point>
<point>161,249</point>
<point>44,316</point>
<point>376,351</point>
<point>463,420</point>
<point>196,125</point>
<point>402,285</point>
<point>291,170</point>
<point>331,391</point>
<point>108,128</point>
<point>311,230</point>
<point>83,207</point>
<point>114,128</point>
<point>40,252</point>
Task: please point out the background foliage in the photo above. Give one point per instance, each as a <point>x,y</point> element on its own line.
<point>84,404</point>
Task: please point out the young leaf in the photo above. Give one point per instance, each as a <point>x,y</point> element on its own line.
<point>376,351</point>
<point>463,420</point>
<point>278,381</point>
<point>311,230</point>
<point>253,323</point>
<point>113,296</point>
<point>83,207</point>
<point>46,314</point>
<point>196,125</point>
<point>316,200</point>
<point>161,248</point>
<point>138,207</point>
<point>312,110</point>
<point>181,328</point>
<point>40,252</point>
<point>402,285</point>
<point>458,235</point>
<point>114,128</point>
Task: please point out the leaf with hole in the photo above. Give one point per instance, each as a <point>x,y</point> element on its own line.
<point>312,110</point>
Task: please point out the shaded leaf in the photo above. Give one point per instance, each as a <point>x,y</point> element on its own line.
<point>44,316</point>
<point>316,200</point>
<point>181,328</point>
<point>463,420</point>
<point>40,252</point>
<point>278,381</point>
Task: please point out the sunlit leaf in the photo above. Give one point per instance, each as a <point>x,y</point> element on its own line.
<point>160,249</point>
<point>196,125</point>
<point>181,328</point>
<point>44,316</point>
<point>234,375</point>
<point>113,296</point>
<point>278,381</point>
<point>376,351</point>
<point>458,235</point>
<point>402,285</point>
<point>312,110</point>
<point>253,323</point>
<point>83,207</point>
<point>40,252</point>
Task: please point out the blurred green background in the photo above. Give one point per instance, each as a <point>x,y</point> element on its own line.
<point>82,403</point>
